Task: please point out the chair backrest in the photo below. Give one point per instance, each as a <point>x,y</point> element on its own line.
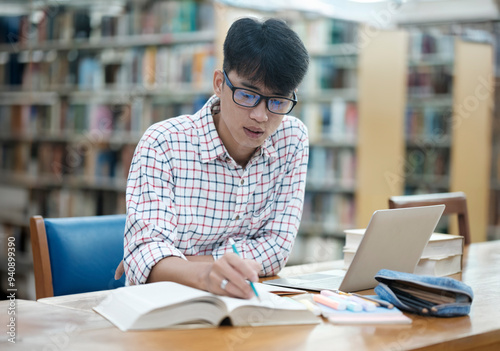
<point>76,254</point>
<point>455,202</point>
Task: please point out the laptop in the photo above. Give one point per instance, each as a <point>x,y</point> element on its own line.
<point>394,239</point>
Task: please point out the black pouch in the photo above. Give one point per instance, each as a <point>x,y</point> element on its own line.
<point>425,295</point>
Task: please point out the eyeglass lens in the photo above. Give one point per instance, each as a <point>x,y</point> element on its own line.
<point>248,99</point>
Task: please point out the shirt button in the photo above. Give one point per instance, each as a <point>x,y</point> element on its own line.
<point>242,182</point>
<point>237,217</point>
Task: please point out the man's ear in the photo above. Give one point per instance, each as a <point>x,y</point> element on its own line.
<point>218,82</point>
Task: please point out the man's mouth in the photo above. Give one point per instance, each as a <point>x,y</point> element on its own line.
<point>253,132</point>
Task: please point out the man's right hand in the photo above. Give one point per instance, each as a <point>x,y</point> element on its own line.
<point>209,275</point>
<point>236,271</point>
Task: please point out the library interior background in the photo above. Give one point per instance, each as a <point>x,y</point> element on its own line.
<point>401,97</point>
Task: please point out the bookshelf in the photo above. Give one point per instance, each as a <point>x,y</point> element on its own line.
<point>79,84</point>
<point>329,108</point>
<point>428,113</point>
<point>328,105</point>
<point>448,121</point>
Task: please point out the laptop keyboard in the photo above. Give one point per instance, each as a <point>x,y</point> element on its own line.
<point>312,281</point>
<point>328,283</point>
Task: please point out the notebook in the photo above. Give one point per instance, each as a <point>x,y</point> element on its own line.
<point>394,239</point>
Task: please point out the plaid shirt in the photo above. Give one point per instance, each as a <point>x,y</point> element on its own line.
<point>186,196</point>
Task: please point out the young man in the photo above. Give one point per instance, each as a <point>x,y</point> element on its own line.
<point>235,169</point>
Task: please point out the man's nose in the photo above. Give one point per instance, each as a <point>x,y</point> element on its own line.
<point>259,112</point>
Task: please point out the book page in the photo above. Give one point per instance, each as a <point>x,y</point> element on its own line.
<point>267,300</point>
<point>156,295</point>
<point>270,310</point>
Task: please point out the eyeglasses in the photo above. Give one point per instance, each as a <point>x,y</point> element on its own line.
<point>250,98</point>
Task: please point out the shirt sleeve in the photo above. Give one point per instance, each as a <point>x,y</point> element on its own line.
<point>151,225</point>
<point>273,244</point>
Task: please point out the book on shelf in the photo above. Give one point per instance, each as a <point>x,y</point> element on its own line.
<point>67,23</point>
<point>441,256</point>
<point>171,305</point>
<point>330,211</point>
<point>13,203</point>
<point>336,121</point>
<point>152,66</point>
<point>428,121</point>
<point>424,44</point>
<point>331,166</point>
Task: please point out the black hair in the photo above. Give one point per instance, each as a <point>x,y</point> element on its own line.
<point>266,52</point>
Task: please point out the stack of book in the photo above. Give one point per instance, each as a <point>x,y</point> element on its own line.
<point>442,255</point>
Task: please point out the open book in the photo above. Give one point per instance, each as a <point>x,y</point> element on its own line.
<point>171,305</point>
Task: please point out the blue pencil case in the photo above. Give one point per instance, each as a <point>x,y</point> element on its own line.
<point>425,295</point>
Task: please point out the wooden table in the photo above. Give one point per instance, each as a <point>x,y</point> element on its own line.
<point>67,323</point>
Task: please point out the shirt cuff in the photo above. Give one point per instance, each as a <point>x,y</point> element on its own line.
<point>139,263</point>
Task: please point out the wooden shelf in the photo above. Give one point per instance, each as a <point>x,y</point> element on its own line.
<point>102,43</point>
<point>326,95</point>
<point>332,50</point>
<point>334,143</point>
<point>382,91</point>
<point>439,100</point>
<point>436,59</point>
<point>10,97</point>
<point>180,93</point>
<point>428,142</point>
<point>430,181</point>
<point>322,229</point>
<point>339,187</point>
<point>470,160</point>
<point>116,138</point>
<point>72,182</point>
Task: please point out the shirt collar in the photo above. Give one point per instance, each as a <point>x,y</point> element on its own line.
<point>211,144</point>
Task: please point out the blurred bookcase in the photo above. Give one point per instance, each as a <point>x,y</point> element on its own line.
<point>449,117</point>
<point>328,105</point>
<point>80,81</point>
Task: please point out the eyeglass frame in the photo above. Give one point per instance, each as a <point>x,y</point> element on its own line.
<point>230,85</point>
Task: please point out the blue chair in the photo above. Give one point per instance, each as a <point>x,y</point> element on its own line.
<point>76,254</point>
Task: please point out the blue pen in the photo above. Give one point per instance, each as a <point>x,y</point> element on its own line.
<point>235,250</point>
